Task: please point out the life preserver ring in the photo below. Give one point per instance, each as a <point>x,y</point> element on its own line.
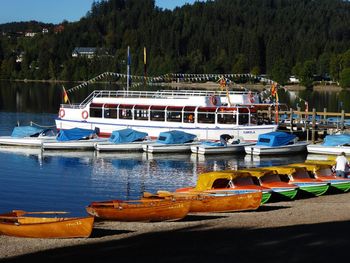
<point>251,97</point>
<point>213,100</point>
<point>84,114</point>
<point>61,113</point>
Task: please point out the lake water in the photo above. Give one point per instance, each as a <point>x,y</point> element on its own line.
<point>68,181</point>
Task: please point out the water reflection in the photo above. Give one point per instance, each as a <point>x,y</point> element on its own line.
<point>45,97</point>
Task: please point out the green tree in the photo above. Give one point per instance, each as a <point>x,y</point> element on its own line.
<point>345,78</point>
<point>307,73</point>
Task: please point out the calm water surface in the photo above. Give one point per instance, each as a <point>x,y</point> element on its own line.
<point>36,181</point>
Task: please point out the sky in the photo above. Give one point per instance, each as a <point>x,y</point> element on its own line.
<point>55,11</point>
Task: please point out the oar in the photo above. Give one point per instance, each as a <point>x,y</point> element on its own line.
<point>22,212</point>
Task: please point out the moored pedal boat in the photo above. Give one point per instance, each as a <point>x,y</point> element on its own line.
<point>300,177</point>
<point>139,210</point>
<point>17,223</point>
<point>272,180</point>
<point>323,172</point>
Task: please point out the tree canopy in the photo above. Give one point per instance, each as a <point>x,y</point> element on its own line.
<point>273,37</point>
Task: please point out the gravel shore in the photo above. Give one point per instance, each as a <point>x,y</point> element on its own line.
<point>309,229</point>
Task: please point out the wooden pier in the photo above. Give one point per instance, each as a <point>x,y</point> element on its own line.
<point>314,124</point>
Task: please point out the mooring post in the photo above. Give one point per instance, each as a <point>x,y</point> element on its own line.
<point>291,119</point>
<point>298,116</point>
<point>324,115</point>
<point>342,119</point>
<point>313,127</point>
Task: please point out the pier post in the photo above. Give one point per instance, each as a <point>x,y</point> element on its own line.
<point>291,119</point>
<point>342,119</point>
<point>313,125</point>
<point>298,116</point>
<point>325,115</point>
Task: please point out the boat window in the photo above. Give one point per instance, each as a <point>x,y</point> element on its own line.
<point>96,110</point>
<point>243,118</point>
<point>243,181</point>
<point>125,111</point>
<point>189,114</point>
<point>206,114</point>
<point>301,174</point>
<point>270,178</point>
<point>227,115</point>
<point>157,113</point>
<point>324,172</point>
<point>264,140</point>
<point>221,183</point>
<point>110,111</point>
<point>141,112</point>
<point>174,114</point>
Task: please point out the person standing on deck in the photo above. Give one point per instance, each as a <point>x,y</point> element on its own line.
<point>224,139</point>
<point>342,165</point>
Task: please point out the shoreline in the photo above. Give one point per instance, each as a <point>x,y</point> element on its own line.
<point>307,229</point>
<point>210,85</point>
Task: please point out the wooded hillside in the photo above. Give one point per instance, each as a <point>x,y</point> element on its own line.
<point>275,37</point>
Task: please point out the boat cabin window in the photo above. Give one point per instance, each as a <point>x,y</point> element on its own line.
<point>125,111</point>
<point>227,115</point>
<point>270,178</point>
<point>206,114</point>
<point>325,172</point>
<point>221,183</point>
<point>243,116</point>
<point>301,174</point>
<point>243,181</point>
<point>96,110</point>
<point>157,113</point>
<point>189,114</point>
<point>174,114</point>
<point>141,112</point>
<point>110,111</point>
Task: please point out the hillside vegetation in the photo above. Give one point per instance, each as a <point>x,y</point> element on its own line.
<point>275,37</point>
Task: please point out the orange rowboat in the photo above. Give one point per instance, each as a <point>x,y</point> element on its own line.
<point>139,210</point>
<point>17,224</point>
<point>206,202</point>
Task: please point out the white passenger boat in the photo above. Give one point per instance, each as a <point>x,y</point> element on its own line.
<point>333,144</point>
<point>207,114</point>
<point>276,143</point>
<point>172,141</point>
<point>73,139</point>
<point>28,136</point>
<point>218,148</point>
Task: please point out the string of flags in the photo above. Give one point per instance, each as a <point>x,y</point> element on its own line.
<point>224,80</point>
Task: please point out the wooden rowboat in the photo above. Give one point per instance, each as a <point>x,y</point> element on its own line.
<point>213,201</point>
<point>139,210</point>
<point>17,224</point>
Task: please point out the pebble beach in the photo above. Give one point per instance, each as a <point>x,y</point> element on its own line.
<point>312,229</point>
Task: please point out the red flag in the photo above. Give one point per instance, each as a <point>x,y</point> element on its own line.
<point>273,89</point>
<point>65,96</point>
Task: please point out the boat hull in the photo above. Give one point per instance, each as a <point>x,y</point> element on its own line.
<point>230,148</point>
<point>120,147</point>
<point>39,227</point>
<point>26,141</point>
<point>332,150</point>
<point>71,145</point>
<point>276,150</point>
<point>168,148</point>
<point>314,189</point>
<point>139,211</point>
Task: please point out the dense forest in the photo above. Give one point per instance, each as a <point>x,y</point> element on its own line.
<point>274,37</point>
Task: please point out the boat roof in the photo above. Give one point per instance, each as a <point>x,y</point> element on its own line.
<point>24,131</point>
<point>282,169</point>
<point>259,172</point>
<point>312,166</point>
<point>74,134</point>
<point>127,135</point>
<point>336,139</point>
<point>175,136</point>
<point>206,180</point>
<point>275,138</point>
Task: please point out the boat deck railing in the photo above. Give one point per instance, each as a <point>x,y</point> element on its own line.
<point>151,94</point>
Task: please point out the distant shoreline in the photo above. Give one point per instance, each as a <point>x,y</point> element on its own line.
<point>210,85</point>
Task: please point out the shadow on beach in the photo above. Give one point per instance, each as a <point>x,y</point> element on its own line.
<point>323,242</point>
